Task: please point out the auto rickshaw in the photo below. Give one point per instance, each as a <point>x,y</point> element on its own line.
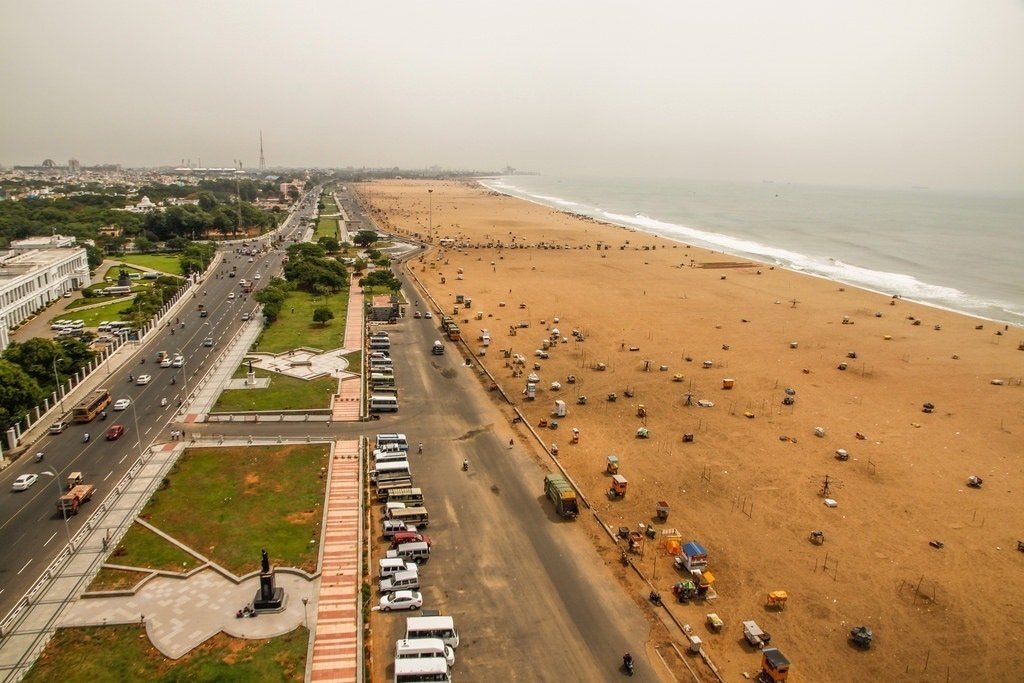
<point>74,479</point>
<point>613,464</point>
<point>618,489</point>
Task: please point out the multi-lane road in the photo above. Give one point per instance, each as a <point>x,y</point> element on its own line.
<point>32,532</point>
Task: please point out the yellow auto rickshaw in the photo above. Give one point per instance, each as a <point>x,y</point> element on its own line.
<point>613,464</point>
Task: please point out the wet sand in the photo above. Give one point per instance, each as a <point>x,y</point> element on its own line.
<point>748,486</point>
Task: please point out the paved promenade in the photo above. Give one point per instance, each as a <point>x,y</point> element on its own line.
<point>346,404</point>
<point>336,651</point>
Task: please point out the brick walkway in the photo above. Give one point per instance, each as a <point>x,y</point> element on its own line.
<point>346,404</point>
<point>336,640</point>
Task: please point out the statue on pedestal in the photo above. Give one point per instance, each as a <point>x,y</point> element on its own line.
<point>270,597</point>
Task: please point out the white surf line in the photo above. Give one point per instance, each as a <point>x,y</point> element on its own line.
<point>47,541</point>
<point>108,475</point>
<point>25,567</point>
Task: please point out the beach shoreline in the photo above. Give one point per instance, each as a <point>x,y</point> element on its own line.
<point>860,365</point>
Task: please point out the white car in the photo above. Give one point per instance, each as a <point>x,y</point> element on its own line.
<point>24,481</point>
<point>401,600</point>
<point>122,403</point>
<point>166,362</point>
<point>428,314</point>
<point>257,276</point>
<point>178,361</point>
<point>143,379</point>
<point>231,295</point>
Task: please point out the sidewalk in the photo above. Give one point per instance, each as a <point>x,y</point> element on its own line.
<point>346,405</point>
<point>201,399</point>
<point>336,644</point>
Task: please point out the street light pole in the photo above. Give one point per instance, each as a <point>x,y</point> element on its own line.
<point>60,394</point>
<point>430,213</point>
<point>63,512</point>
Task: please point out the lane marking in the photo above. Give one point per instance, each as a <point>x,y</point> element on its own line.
<point>25,567</point>
<point>122,458</point>
<point>108,475</point>
<point>47,541</point>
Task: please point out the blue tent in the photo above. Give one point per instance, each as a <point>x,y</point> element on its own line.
<point>694,549</point>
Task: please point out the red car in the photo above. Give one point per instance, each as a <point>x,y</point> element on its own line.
<point>115,433</point>
<point>408,537</point>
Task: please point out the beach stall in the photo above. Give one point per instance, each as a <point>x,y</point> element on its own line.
<point>694,557</point>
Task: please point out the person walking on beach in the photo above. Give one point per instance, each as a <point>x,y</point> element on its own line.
<point>419,449</point>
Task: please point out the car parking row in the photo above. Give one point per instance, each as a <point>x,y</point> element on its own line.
<point>427,650</point>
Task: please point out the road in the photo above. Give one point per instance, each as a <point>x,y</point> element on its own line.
<point>32,532</point>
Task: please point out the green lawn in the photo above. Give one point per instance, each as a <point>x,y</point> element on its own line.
<point>94,316</point>
<point>294,326</point>
<point>140,547</point>
<point>228,503</point>
<point>165,263</point>
<point>326,227</point>
<point>284,393</point>
<point>112,654</point>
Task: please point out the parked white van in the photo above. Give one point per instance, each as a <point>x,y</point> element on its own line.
<point>400,581</point>
<point>389,566</point>
<point>432,627</point>
<point>393,456</point>
<point>424,647</point>
<point>416,516</point>
<point>409,496</point>
<point>418,670</point>
<point>385,439</point>
<point>418,552</point>
<point>381,403</point>
<point>387,468</point>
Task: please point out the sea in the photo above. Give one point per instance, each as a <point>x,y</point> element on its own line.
<point>954,250</point>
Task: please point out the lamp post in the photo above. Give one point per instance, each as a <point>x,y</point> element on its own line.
<point>305,612</point>
<point>63,512</point>
<point>60,393</point>
<point>430,213</point>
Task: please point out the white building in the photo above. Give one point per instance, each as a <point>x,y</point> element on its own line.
<point>32,274</point>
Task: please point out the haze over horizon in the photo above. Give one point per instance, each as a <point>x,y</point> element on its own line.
<point>885,94</point>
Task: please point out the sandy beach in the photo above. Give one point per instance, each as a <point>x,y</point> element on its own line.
<point>668,324</point>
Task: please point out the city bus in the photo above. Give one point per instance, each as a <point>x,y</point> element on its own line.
<point>90,406</point>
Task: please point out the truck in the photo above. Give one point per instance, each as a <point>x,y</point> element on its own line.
<point>562,494</point>
<point>69,503</point>
<point>454,334</point>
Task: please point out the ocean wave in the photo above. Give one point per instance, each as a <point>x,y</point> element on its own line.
<point>905,285</point>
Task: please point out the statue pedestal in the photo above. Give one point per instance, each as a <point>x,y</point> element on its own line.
<point>270,597</point>
<point>250,378</point>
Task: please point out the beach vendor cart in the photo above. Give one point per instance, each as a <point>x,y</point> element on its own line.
<point>612,467</point>
<point>618,489</point>
<point>662,510</point>
<point>715,622</point>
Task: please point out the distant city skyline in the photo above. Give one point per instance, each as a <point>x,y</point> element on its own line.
<point>914,93</point>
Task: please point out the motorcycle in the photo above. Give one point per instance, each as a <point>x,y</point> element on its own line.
<point>39,456</point>
<point>173,381</point>
<point>142,361</point>
<point>85,439</point>
<point>627,663</point>
<point>465,465</point>
<point>163,402</point>
<point>103,415</point>
<point>131,378</point>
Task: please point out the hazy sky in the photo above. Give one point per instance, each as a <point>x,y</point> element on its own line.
<point>876,92</point>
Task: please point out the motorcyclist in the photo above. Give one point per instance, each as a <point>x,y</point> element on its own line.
<point>86,439</point>
<point>131,378</point>
<point>173,380</point>
<point>465,464</point>
<point>627,661</point>
<point>103,415</point>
